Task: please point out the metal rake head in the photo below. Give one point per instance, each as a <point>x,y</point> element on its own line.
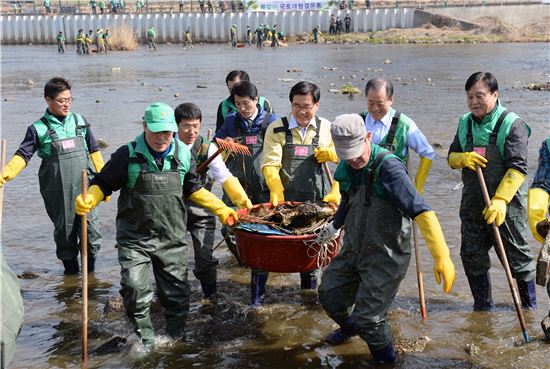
<point>233,146</point>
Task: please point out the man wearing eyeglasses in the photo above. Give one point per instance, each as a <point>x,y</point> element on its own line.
<point>295,147</point>
<point>66,145</point>
<point>248,125</point>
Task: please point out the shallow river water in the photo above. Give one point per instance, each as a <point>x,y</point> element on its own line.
<point>113,90</point>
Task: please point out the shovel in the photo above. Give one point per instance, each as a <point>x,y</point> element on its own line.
<point>224,145</point>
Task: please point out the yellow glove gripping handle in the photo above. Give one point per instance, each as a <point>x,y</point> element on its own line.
<point>433,235</point>
<point>537,205</point>
<point>324,154</point>
<point>422,174</point>
<point>469,160</point>
<point>97,159</point>
<point>93,197</point>
<point>334,195</point>
<point>236,193</point>
<point>273,180</point>
<point>509,185</point>
<point>13,168</point>
<point>209,201</point>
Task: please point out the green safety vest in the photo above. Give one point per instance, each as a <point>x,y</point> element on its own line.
<point>228,107</point>
<point>482,131</point>
<point>139,151</point>
<point>396,139</point>
<point>349,178</point>
<point>63,130</point>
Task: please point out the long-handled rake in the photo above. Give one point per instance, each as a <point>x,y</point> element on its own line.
<point>225,145</point>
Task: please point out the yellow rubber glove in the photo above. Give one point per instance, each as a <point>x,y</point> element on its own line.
<point>422,174</point>
<point>323,154</point>
<point>12,169</point>
<point>537,205</point>
<point>433,235</point>
<point>334,195</point>
<point>236,193</point>
<point>469,160</point>
<point>273,180</point>
<point>97,159</point>
<point>209,201</point>
<point>93,197</point>
<point>509,185</point>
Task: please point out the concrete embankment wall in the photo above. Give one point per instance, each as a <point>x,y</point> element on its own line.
<point>39,29</point>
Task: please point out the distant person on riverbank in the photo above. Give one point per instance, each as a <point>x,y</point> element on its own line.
<point>332,25</point>
<point>93,5</point>
<point>227,106</point>
<point>200,223</point>
<point>100,41</point>
<point>210,6</point>
<point>107,41</point>
<point>61,42</point>
<point>259,32</point>
<point>101,6</point>
<point>181,3</point>
<point>274,38</point>
<point>66,145</point>
<point>48,6</point>
<point>339,25</point>
<point>188,42</point>
<point>155,174</point>
<point>151,35</point>
<point>249,36</point>
<point>233,35</point>
<point>495,139</point>
<point>201,6</point>
<point>316,32</point>
<point>140,5</point>
<point>88,40</point>
<point>347,22</point>
<point>80,40</point>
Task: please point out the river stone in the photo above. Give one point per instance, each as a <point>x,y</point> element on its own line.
<point>27,274</point>
<point>294,69</point>
<point>471,349</point>
<point>114,304</point>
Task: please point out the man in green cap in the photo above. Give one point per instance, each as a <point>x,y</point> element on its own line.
<point>155,173</point>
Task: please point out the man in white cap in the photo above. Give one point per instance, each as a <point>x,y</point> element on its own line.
<point>378,200</point>
<point>155,173</point>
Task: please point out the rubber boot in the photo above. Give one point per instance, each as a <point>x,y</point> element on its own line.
<point>481,290</point>
<point>71,266</point>
<point>307,281</point>
<point>384,355</point>
<point>545,325</point>
<point>91,264</point>
<point>208,289</point>
<point>348,329</point>
<point>527,294</point>
<point>258,280</point>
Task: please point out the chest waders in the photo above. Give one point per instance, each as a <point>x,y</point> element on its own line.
<point>303,180</point>
<point>301,174</point>
<point>477,235</point>
<point>364,277</point>
<point>60,178</point>
<point>201,224</point>
<point>151,232</point>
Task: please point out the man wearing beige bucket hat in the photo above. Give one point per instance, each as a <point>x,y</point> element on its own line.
<point>378,201</point>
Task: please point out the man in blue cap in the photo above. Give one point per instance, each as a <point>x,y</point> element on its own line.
<point>155,173</point>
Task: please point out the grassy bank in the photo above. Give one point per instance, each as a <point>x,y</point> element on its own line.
<point>489,29</point>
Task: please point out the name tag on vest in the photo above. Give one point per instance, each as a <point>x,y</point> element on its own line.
<point>480,150</point>
<point>251,140</point>
<point>155,177</point>
<point>68,144</point>
<point>300,151</point>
